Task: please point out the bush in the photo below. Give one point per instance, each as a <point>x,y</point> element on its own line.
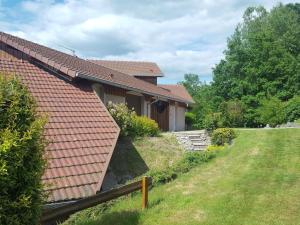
<point>21,155</point>
<point>190,119</point>
<point>232,113</point>
<point>211,148</point>
<point>189,161</point>
<point>143,126</point>
<point>123,117</point>
<point>221,136</point>
<point>213,121</point>
<point>271,111</point>
<point>131,124</point>
<point>292,109</point>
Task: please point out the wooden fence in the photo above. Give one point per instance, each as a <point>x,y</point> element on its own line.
<point>59,214</point>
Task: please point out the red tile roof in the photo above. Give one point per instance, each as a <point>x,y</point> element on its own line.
<point>179,90</point>
<point>77,67</point>
<point>80,131</point>
<point>133,68</point>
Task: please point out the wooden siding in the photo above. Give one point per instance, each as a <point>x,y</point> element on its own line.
<point>161,117</point>
<point>114,90</point>
<point>134,102</point>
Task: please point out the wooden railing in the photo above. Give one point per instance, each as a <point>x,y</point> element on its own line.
<point>59,214</point>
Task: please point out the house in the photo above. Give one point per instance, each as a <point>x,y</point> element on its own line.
<point>73,92</point>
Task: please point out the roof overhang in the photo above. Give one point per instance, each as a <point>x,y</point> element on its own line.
<point>96,79</point>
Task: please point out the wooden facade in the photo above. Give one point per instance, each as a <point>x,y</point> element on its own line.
<point>159,109</point>
<point>160,113</point>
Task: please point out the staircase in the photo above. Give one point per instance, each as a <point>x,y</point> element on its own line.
<point>193,140</point>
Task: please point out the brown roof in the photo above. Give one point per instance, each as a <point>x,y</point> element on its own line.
<point>74,67</point>
<point>80,131</point>
<point>179,90</point>
<point>148,69</point>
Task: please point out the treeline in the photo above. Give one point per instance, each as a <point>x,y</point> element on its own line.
<point>258,81</point>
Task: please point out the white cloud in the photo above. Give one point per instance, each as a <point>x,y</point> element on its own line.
<point>181,36</point>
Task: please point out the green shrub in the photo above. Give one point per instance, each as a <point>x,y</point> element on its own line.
<point>190,119</point>
<point>131,124</point>
<point>213,121</point>
<point>162,176</point>
<point>21,155</point>
<point>123,117</point>
<point>271,111</point>
<point>143,126</point>
<point>292,109</point>
<point>189,161</point>
<point>211,148</point>
<point>232,113</point>
<point>221,136</point>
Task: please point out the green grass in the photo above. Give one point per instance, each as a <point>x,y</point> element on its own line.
<point>255,181</point>
<point>135,158</point>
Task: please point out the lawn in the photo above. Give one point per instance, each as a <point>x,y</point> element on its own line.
<point>255,181</point>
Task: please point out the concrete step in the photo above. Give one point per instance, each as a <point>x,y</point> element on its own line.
<point>193,140</point>
<point>195,136</point>
<point>199,149</point>
<point>199,144</point>
<point>198,139</point>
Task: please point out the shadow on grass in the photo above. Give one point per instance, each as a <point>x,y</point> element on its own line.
<point>116,218</point>
<point>126,162</point>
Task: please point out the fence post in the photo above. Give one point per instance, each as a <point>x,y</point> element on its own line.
<point>144,192</point>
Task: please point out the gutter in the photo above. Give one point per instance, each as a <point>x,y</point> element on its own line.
<point>89,77</point>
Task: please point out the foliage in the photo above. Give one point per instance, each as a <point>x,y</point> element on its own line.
<point>190,119</point>
<point>222,136</point>
<point>292,109</point>
<point>232,113</point>
<point>261,60</point>
<point>123,117</point>
<point>213,121</point>
<point>143,126</point>
<point>131,124</point>
<point>189,161</point>
<point>21,155</point>
<point>215,147</point>
<point>271,111</point>
<point>191,83</point>
<point>262,56</point>
<point>204,98</point>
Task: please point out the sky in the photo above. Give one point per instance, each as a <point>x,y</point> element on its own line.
<point>181,36</point>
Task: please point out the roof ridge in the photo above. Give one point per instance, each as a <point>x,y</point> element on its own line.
<point>112,60</point>
<point>77,67</point>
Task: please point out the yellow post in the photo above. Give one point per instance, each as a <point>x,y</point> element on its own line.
<point>144,192</point>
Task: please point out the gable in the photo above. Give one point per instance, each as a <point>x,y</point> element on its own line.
<point>81,133</point>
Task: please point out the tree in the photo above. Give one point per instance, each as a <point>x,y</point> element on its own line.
<point>192,83</point>
<point>262,56</point>
<point>262,59</point>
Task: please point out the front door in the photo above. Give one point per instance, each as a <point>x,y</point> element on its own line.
<point>160,113</point>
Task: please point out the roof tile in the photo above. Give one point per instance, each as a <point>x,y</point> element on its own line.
<point>80,131</point>
<point>88,70</point>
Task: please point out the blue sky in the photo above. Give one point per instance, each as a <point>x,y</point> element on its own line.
<point>180,36</point>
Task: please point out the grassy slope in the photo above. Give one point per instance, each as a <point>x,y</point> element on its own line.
<point>135,158</point>
<point>256,181</point>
